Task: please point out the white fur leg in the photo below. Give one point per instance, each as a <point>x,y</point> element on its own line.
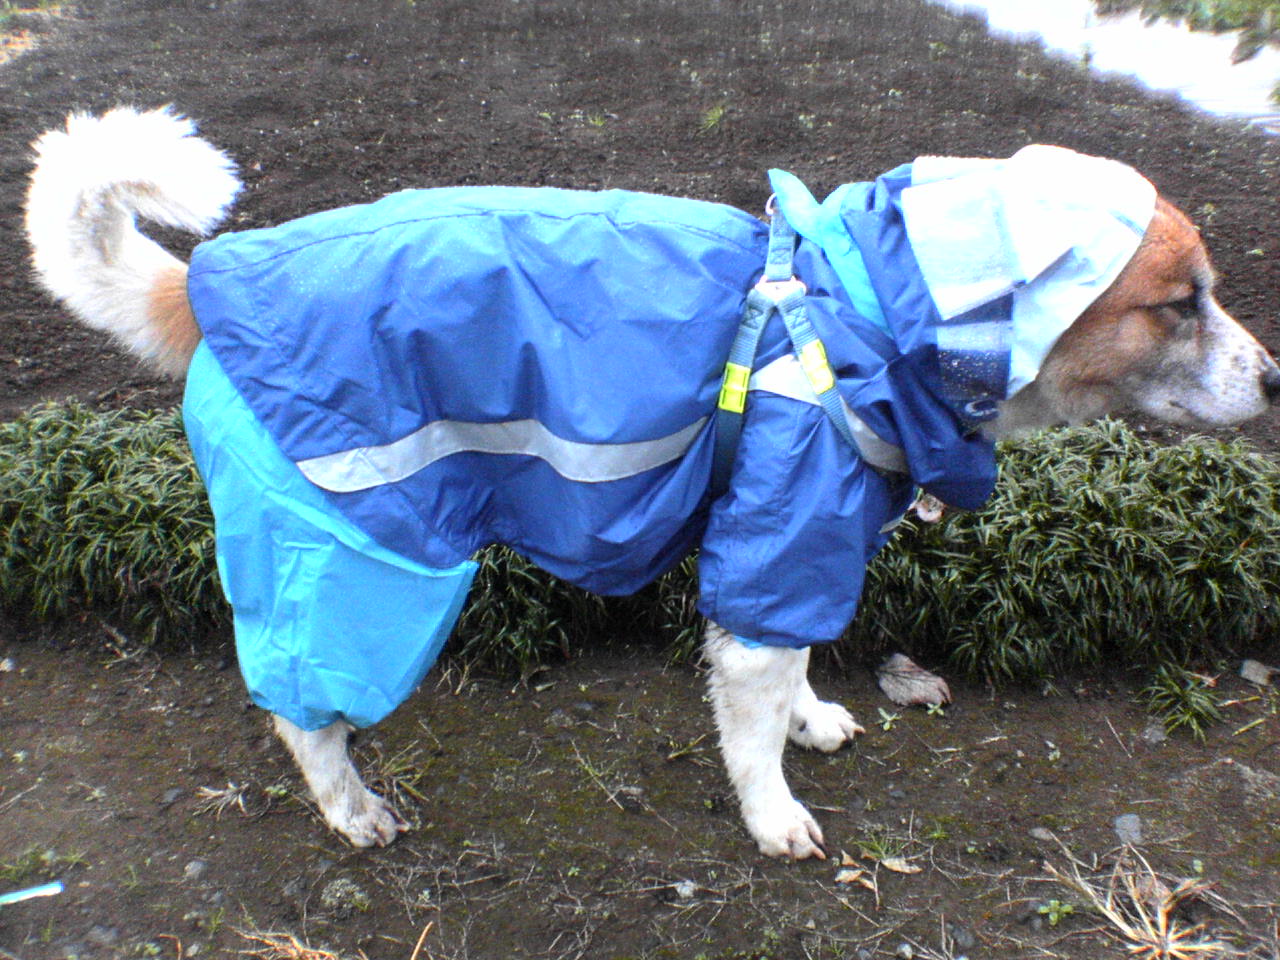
<point>348,807</point>
<point>752,693</point>
<point>817,724</point>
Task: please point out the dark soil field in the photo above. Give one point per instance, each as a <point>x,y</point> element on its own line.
<point>584,813</point>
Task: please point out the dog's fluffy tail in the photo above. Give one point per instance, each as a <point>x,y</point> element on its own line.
<point>90,182</point>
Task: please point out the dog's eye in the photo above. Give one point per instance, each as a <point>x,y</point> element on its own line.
<point>1184,306</point>
<point>1182,316</point>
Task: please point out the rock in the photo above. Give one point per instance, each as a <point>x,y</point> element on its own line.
<point>685,889</point>
<point>1258,673</point>
<point>344,897</point>
<point>1129,828</point>
<point>1040,833</point>
<point>961,937</point>
<point>630,798</point>
<point>7,665</point>
<point>1155,733</point>
<point>906,683</point>
<point>102,936</point>
<point>905,952</point>
<point>195,870</point>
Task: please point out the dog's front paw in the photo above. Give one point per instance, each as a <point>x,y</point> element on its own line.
<point>824,726</point>
<point>787,830</point>
<point>368,820</point>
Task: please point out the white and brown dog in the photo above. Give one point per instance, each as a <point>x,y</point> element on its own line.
<point>1155,340</point>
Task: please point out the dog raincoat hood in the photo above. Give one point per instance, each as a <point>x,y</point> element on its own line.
<point>539,368</point>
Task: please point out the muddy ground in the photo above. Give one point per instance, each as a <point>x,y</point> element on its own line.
<point>584,814</point>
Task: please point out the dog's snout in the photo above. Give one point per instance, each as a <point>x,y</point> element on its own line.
<point>1271,381</point>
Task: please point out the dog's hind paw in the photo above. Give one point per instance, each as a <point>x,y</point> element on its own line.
<point>819,725</point>
<point>369,822</point>
<point>789,831</point>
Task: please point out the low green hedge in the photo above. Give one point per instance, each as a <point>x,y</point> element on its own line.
<point>1098,547</point>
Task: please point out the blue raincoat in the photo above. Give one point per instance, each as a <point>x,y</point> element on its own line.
<point>458,367</point>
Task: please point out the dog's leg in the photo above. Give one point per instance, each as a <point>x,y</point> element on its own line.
<point>348,807</point>
<point>752,693</point>
<point>818,724</point>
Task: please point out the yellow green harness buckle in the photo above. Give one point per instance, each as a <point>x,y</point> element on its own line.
<point>733,388</point>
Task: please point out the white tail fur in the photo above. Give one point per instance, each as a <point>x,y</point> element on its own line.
<point>89,183</point>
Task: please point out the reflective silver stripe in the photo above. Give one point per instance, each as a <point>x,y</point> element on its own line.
<point>786,378</point>
<point>364,467</point>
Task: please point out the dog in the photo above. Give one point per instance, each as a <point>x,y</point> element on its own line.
<point>481,335</point>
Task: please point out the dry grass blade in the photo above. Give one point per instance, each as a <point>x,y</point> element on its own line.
<point>1140,908</point>
<point>422,939</point>
<point>282,946</point>
<point>219,802</point>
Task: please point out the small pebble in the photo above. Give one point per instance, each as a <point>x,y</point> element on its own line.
<point>103,936</point>
<point>195,870</point>
<point>685,889</point>
<point>1128,828</point>
<point>904,952</point>
<point>7,665</point>
<point>961,937</point>
<point>1040,833</point>
<point>1155,734</point>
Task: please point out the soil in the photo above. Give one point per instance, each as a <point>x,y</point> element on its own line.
<point>584,814</point>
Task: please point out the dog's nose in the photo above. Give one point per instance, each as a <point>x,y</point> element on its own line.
<point>1271,382</point>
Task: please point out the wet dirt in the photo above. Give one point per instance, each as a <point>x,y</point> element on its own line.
<point>584,814</point>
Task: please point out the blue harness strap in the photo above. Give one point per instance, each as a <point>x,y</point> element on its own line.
<point>778,290</point>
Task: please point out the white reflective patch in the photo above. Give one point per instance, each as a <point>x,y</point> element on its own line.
<point>786,378</point>
<point>983,337</point>
<point>365,467</point>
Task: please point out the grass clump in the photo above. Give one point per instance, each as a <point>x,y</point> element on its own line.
<point>1098,547</point>
<point>106,510</point>
<point>518,616</point>
<point>1182,699</point>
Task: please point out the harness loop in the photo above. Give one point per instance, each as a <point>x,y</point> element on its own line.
<point>780,290</point>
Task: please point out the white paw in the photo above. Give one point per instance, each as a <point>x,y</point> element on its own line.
<point>367,821</point>
<point>787,830</point>
<point>822,726</point>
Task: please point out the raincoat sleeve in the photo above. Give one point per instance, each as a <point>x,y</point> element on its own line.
<point>784,556</point>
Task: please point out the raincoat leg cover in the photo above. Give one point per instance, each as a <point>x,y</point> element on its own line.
<point>329,624</point>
